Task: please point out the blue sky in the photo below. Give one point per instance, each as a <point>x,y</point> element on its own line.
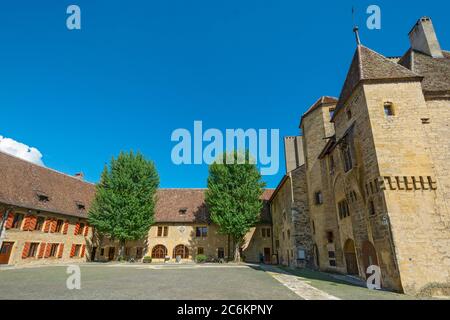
<point>140,69</point>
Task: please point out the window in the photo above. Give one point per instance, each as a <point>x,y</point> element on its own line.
<point>182,211</point>
<point>43,198</point>
<point>220,253</point>
<point>332,263</point>
<point>39,223</point>
<point>277,244</point>
<point>388,109</point>
<point>77,250</point>
<point>181,251</point>
<point>349,114</point>
<point>163,231</point>
<point>54,249</point>
<point>347,156</point>
<point>331,110</point>
<point>343,209</point>
<point>59,225</point>
<point>200,250</point>
<point>201,232</point>
<point>331,255</point>
<point>284,214</point>
<point>80,229</point>
<point>17,222</point>
<point>288,234</point>
<point>265,232</point>
<point>330,236</point>
<point>313,227</point>
<point>283,236</point>
<point>81,206</point>
<point>318,198</point>
<point>371,208</point>
<point>33,250</point>
<point>332,165</point>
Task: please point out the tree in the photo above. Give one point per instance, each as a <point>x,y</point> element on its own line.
<point>234,197</point>
<point>124,203</point>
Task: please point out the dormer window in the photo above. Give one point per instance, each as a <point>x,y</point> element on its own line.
<point>349,114</point>
<point>182,211</point>
<point>81,206</point>
<point>42,197</point>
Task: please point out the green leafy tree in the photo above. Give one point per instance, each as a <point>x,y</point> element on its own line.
<point>124,203</point>
<point>234,197</point>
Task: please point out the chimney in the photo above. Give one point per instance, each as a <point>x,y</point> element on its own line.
<point>423,38</point>
<point>79,176</point>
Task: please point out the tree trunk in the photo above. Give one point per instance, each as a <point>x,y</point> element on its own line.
<point>122,249</point>
<point>237,253</point>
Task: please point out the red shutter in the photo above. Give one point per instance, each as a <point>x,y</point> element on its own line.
<point>9,220</point>
<point>72,251</point>
<point>47,250</point>
<point>32,223</point>
<point>47,224</point>
<point>26,248</point>
<point>26,223</point>
<point>53,226</point>
<point>61,250</point>
<point>41,250</point>
<point>86,230</point>
<point>77,228</point>
<point>83,249</point>
<point>66,227</point>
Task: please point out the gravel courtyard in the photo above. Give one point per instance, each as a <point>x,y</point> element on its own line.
<point>144,282</point>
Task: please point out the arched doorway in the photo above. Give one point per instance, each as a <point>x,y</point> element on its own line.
<point>182,251</point>
<point>350,257</point>
<point>159,252</point>
<point>369,255</point>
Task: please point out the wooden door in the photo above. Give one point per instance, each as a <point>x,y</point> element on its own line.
<point>352,264</point>
<point>267,255</point>
<point>5,252</point>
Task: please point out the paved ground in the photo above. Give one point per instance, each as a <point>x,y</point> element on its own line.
<point>144,282</point>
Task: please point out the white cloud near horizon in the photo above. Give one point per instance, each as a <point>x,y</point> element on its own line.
<point>21,150</point>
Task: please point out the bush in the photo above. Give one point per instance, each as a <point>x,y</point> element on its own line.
<point>147,259</point>
<point>201,258</point>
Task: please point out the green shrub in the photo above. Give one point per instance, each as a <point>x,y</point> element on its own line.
<point>201,258</point>
<point>147,259</point>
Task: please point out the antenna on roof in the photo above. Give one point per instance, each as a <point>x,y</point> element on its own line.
<point>355,28</point>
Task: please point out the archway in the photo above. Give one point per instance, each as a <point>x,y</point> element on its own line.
<point>350,257</point>
<point>182,251</point>
<point>159,252</point>
<point>369,255</point>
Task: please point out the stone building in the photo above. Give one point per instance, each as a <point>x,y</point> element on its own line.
<point>43,214</point>
<point>377,167</point>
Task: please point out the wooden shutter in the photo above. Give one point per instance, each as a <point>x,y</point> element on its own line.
<point>47,224</point>
<point>9,220</point>
<point>53,225</point>
<point>77,228</point>
<point>32,223</point>
<point>47,250</point>
<point>86,230</point>
<point>72,251</point>
<point>61,250</point>
<point>83,249</point>
<point>26,223</point>
<point>26,249</point>
<point>41,250</point>
<point>66,227</point>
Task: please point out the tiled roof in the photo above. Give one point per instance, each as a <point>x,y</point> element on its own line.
<point>370,65</point>
<point>436,71</point>
<point>192,203</point>
<point>22,183</point>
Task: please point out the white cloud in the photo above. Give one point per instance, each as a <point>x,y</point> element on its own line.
<point>21,150</point>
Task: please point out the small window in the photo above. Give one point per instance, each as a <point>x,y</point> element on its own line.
<point>277,244</point>
<point>59,225</point>
<point>330,236</point>
<point>263,232</point>
<point>313,227</point>
<point>349,114</point>
<point>343,209</point>
<point>371,208</point>
<point>39,223</point>
<point>331,110</point>
<point>318,198</point>
<point>33,250</point>
<point>201,232</point>
<point>268,232</point>
<point>388,109</point>
<point>81,206</point>
<point>200,250</point>
<point>77,250</point>
<point>182,211</point>
<point>288,234</point>
<point>53,249</point>
<point>17,222</point>
<point>80,230</point>
<point>43,198</point>
<point>166,231</point>
<point>332,263</point>
<point>347,155</point>
<point>331,254</point>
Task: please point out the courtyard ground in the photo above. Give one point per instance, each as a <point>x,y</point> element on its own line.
<point>190,282</point>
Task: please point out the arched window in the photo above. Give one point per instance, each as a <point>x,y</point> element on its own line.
<point>159,252</point>
<point>182,251</point>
